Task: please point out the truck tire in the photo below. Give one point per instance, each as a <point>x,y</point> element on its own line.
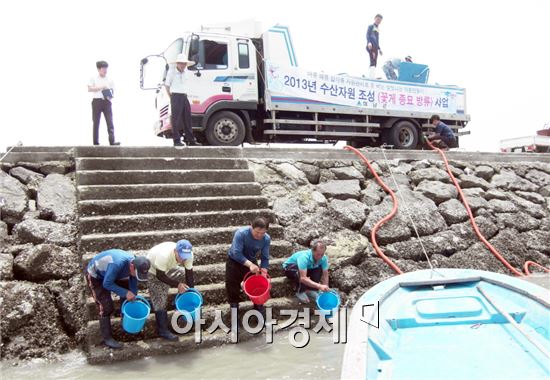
<point>225,128</point>
<point>403,135</point>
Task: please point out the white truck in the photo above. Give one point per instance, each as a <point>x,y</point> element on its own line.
<point>247,87</point>
<point>539,143</point>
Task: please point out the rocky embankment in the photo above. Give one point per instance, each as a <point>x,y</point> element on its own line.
<point>340,202</point>
<point>42,303</point>
<point>41,288</point>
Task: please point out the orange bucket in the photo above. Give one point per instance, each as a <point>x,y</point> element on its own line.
<point>257,287</point>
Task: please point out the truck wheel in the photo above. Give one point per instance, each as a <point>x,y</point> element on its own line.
<point>225,128</point>
<point>403,135</point>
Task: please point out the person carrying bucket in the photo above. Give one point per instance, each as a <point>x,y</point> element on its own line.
<point>115,271</point>
<point>308,269</point>
<point>248,243</point>
<point>165,257</point>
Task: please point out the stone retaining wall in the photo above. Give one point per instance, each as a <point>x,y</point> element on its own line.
<point>340,202</point>
<point>41,289</point>
<point>42,292</point>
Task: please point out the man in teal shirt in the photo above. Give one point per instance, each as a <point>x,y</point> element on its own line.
<point>309,270</point>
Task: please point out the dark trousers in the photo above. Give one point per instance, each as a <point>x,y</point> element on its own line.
<point>181,117</point>
<point>292,272</point>
<point>234,274</point>
<point>103,106</point>
<point>373,55</point>
<point>102,296</point>
<point>449,141</point>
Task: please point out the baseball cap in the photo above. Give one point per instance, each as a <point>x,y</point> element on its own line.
<point>184,249</point>
<point>142,265</point>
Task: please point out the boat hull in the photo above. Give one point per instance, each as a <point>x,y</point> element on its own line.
<point>443,325</point>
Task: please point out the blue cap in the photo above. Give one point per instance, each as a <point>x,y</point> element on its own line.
<point>184,249</point>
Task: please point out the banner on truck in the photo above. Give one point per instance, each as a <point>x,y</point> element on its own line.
<point>291,84</point>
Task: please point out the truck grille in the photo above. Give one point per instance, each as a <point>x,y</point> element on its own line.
<point>163,112</point>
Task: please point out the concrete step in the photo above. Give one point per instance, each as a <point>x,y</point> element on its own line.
<point>168,205</point>
<point>213,294</point>
<point>158,151</point>
<point>15,157</point>
<point>99,354</point>
<point>145,240</point>
<point>41,149</point>
<point>207,313</point>
<point>155,163</point>
<point>169,190</point>
<point>165,221</point>
<point>115,177</point>
<point>215,273</point>
<point>213,254</point>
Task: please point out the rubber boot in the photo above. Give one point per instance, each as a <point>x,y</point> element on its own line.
<point>372,72</point>
<point>162,325</point>
<point>107,334</point>
<point>261,309</point>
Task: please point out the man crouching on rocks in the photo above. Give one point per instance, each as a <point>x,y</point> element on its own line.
<point>114,271</point>
<point>165,257</point>
<point>308,269</point>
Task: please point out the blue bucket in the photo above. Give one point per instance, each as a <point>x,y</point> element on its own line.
<point>327,301</point>
<point>135,314</point>
<point>189,302</point>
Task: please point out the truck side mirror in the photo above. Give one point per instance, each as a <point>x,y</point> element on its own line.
<point>194,46</point>
<point>152,72</point>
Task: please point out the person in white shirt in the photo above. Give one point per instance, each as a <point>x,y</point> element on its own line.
<point>165,257</point>
<point>176,87</point>
<point>102,89</point>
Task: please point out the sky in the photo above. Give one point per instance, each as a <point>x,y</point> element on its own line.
<point>498,51</point>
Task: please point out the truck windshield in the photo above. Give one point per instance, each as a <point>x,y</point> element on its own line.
<point>171,53</point>
<point>212,55</point>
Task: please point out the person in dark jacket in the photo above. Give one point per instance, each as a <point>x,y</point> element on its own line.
<point>165,257</point>
<point>442,137</point>
<point>115,271</point>
<point>373,44</point>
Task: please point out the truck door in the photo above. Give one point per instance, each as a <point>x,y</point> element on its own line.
<point>211,77</point>
<point>245,87</point>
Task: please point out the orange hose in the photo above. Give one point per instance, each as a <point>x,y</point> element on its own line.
<point>386,218</point>
<point>527,264</point>
<point>474,224</point>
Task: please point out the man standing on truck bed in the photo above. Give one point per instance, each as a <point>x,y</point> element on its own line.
<point>176,86</point>
<point>443,136</point>
<point>102,89</point>
<point>373,44</point>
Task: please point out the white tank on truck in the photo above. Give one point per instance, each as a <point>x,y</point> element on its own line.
<point>246,86</point>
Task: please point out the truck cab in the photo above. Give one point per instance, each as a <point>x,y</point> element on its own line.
<point>223,85</point>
